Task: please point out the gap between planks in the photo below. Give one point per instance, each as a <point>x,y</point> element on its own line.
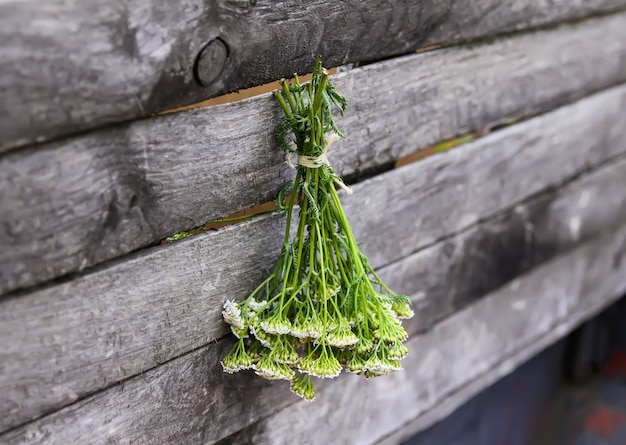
<point>270,207</point>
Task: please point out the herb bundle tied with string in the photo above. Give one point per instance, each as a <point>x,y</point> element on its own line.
<point>323,309</point>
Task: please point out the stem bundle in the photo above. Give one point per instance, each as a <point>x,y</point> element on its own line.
<point>323,309</point>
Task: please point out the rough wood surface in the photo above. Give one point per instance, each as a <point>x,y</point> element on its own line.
<point>68,340</point>
<point>70,66</point>
<point>189,400</point>
<point>76,203</point>
<point>462,268</point>
<point>455,400</point>
<point>473,347</point>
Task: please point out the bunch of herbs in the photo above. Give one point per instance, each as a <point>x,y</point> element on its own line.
<point>323,309</point>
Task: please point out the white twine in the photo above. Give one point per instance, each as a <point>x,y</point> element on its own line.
<point>319,161</point>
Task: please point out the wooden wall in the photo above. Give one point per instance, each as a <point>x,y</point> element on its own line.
<point>505,243</point>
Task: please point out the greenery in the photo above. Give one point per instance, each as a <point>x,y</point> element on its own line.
<point>323,309</point>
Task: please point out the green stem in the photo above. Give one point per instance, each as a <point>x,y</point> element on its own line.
<point>290,204</point>
<point>300,235</point>
<point>282,103</point>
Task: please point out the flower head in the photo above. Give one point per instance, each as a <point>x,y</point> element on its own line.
<point>277,324</point>
<point>302,385</point>
<point>307,328</point>
<point>263,337</point>
<point>389,328</point>
<point>398,351</point>
<point>232,314</point>
<point>325,366</point>
<point>270,369</point>
<point>342,336</point>
<point>237,359</point>
<point>365,345</point>
<point>255,305</point>
<point>285,352</point>
<point>257,350</point>
<point>356,363</point>
<point>402,310</point>
<point>379,364</point>
<point>239,333</point>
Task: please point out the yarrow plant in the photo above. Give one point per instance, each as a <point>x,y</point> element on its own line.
<point>323,309</point>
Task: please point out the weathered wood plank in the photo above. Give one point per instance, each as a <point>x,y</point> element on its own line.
<point>471,349</point>
<point>190,400</point>
<point>79,202</point>
<point>463,395</point>
<point>460,269</point>
<point>70,66</point>
<point>67,340</point>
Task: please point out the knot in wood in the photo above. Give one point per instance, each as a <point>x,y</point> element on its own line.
<point>211,61</point>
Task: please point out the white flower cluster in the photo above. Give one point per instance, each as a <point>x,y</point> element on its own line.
<point>232,314</point>
<point>281,349</point>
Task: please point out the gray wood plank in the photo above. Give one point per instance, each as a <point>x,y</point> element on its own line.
<point>65,341</point>
<point>70,66</point>
<point>76,203</point>
<point>190,400</point>
<point>471,349</point>
<point>462,268</point>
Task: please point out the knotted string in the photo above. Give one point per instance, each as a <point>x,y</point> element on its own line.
<point>321,160</point>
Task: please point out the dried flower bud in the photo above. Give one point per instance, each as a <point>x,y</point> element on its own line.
<point>237,359</point>
<point>277,325</point>
<point>269,369</point>
<point>398,351</point>
<point>232,314</point>
<point>403,311</point>
<point>342,337</point>
<point>302,385</point>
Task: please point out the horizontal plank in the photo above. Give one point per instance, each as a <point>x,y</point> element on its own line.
<point>190,400</point>
<point>462,268</point>
<point>71,66</point>
<point>68,340</point>
<point>76,203</point>
<point>474,347</point>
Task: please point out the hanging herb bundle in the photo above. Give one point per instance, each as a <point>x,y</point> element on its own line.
<point>323,309</point>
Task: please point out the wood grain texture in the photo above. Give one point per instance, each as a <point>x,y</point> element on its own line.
<point>190,400</point>
<point>459,269</point>
<point>76,203</point>
<point>471,348</point>
<point>67,340</point>
<point>70,66</point>
<point>463,395</point>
